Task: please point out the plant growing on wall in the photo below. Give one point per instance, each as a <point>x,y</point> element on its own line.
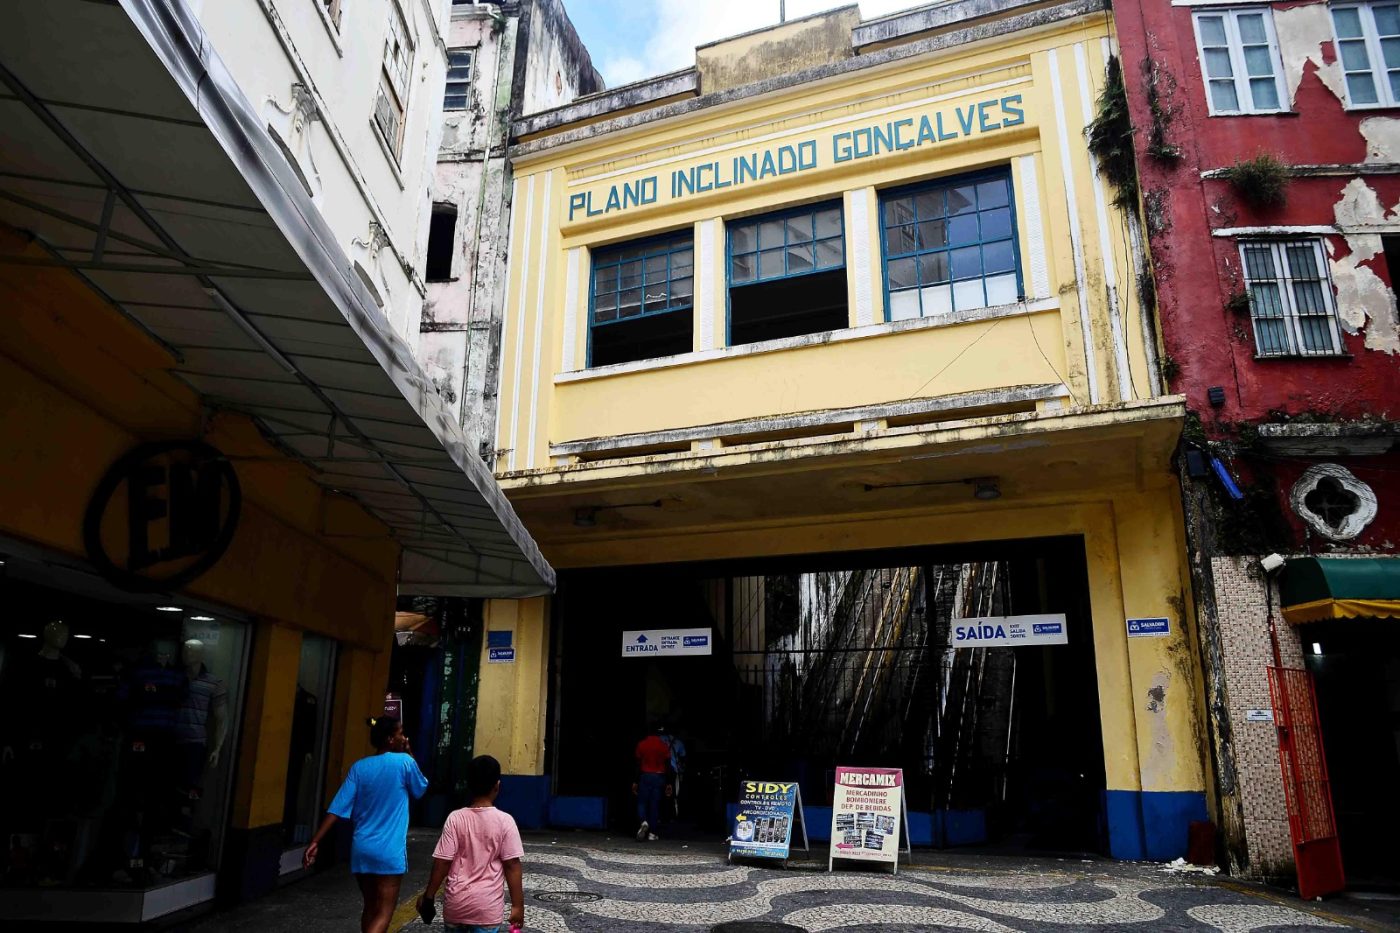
<point>1260,182</point>
<point>1160,87</point>
<point>1238,302</point>
<point>1111,137</point>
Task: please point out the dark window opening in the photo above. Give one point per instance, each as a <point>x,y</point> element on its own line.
<point>642,294</point>
<point>787,274</point>
<point>1331,502</point>
<point>441,234</point>
<point>1391,246</point>
<point>642,338</point>
<point>809,304</point>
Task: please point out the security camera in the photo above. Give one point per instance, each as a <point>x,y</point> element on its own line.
<point>1271,562</point>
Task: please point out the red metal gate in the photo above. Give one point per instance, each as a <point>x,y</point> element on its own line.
<point>1305,783</point>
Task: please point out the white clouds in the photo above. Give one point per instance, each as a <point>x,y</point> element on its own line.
<point>681,25</point>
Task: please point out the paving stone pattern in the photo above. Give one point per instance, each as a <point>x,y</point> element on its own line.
<point>655,891</point>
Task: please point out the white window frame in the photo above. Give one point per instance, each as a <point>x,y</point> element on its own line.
<point>1374,54</point>
<point>466,83</point>
<point>331,9</point>
<point>1243,93</point>
<point>392,88</point>
<point>1296,347</point>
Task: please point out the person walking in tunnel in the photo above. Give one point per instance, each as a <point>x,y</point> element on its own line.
<point>375,795</point>
<point>653,759</point>
<point>479,849</point>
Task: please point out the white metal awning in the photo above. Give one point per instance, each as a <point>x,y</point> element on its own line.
<point>131,155</point>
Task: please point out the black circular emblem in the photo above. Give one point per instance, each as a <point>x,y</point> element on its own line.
<point>162,515</point>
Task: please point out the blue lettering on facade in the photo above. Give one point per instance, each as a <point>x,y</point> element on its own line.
<point>861,143</point>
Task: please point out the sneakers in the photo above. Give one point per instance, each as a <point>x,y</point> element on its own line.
<point>644,832</point>
<point>652,837</point>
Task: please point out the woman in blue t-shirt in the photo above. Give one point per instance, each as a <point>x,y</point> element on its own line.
<point>375,795</point>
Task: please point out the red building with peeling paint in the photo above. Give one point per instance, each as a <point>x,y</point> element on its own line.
<point>1266,141</point>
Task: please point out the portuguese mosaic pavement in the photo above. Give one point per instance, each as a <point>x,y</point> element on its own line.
<point>578,889</point>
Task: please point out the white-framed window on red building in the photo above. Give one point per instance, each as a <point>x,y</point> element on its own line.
<point>1368,47</point>
<point>1240,60</point>
<point>1291,300</point>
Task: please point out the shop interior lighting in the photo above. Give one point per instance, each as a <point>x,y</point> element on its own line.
<point>82,636</point>
<point>201,618</point>
<point>27,635</point>
<point>169,609</point>
<point>1317,647</point>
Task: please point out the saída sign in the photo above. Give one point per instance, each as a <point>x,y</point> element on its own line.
<point>162,515</point>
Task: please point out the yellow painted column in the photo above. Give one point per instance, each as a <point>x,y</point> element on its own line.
<point>267,728</point>
<point>1165,675</point>
<point>511,697</point>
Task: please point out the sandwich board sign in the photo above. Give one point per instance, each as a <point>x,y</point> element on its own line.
<point>768,812</point>
<point>868,811</point>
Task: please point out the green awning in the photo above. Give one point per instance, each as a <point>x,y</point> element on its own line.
<point>1313,589</point>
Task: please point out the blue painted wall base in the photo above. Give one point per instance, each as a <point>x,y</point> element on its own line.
<point>1151,825</point>
<point>525,797</point>
<point>578,812</point>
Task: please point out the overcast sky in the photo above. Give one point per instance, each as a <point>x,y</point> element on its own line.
<point>634,39</point>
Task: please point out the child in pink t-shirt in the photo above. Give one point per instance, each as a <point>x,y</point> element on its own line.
<point>479,849</point>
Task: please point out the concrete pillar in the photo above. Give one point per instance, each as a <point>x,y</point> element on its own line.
<point>511,704</point>
<point>255,834</point>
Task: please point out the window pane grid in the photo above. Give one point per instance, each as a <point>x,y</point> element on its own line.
<point>782,246</point>
<point>1290,298</point>
<point>950,246</point>
<point>642,280</point>
<point>459,78</point>
<point>1368,49</point>
<point>1239,61</point>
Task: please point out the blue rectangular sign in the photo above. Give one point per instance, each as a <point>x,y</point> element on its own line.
<point>499,638</point>
<point>500,655</point>
<point>763,826</point>
<point>1144,627</point>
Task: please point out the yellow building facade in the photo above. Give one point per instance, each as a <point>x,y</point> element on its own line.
<point>845,291</point>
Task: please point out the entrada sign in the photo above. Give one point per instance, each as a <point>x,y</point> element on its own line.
<point>667,642</point>
<point>162,515</point>
<point>937,126</point>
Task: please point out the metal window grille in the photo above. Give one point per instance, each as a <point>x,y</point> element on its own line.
<point>787,244</point>
<point>332,8</point>
<point>642,279</point>
<point>459,80</point>
<point>950,246</point>
<point>1290,298</point>
<point>388,116</point>
<point>1368,45</point>
<point>1240,60</point>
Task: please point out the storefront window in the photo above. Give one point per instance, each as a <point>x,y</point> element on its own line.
<point>119,737</point>
<point>306,762</point>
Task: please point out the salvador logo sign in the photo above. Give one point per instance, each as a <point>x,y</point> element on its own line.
<point>162,515</point>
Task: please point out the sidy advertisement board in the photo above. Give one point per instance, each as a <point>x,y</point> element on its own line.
<point>867,810</point>
<point>768,813</point>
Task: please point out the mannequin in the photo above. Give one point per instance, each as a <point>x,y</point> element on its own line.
<point>203,719</point>
<point>55,639</point>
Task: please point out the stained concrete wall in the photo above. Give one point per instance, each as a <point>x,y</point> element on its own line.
<point>525,56</point>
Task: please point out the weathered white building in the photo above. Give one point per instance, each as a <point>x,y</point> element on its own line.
<point>505,60</point>
<point>354,99</point>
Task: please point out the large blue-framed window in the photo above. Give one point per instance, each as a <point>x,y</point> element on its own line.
<point>950,245</point>
<point>641,299</point>
<point>787,273</point>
